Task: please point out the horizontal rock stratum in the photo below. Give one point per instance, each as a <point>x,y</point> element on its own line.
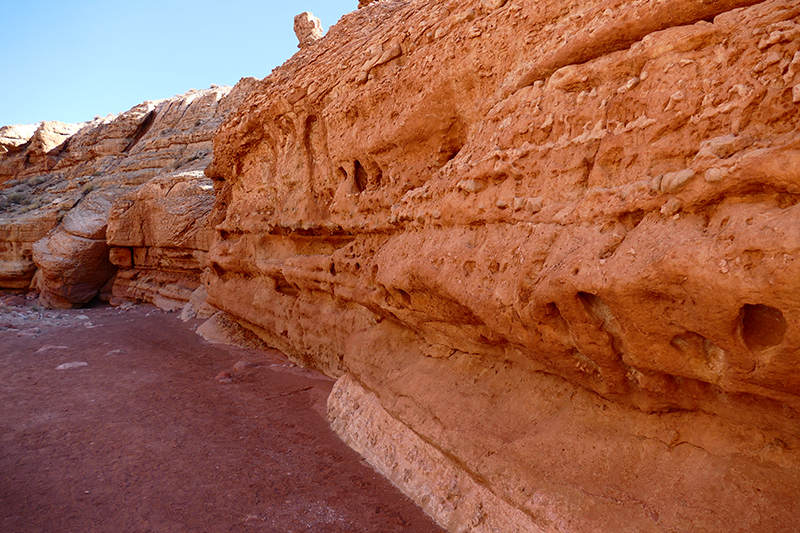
<point>550,249</point>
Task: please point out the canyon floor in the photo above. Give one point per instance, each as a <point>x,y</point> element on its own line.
<point>117,420</point>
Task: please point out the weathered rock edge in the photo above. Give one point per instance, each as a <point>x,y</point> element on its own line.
<point>434,481</point>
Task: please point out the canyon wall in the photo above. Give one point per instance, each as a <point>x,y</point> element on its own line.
<point>58,183</point>
<point>549,248</point>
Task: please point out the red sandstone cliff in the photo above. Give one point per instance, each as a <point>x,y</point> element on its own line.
<point>551,247</point>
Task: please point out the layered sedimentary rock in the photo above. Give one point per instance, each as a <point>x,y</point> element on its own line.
<point>160,234</point>
<point>550,246</point>
<point>48,181</point>
<point>73,259</point>
<point>32,145</point>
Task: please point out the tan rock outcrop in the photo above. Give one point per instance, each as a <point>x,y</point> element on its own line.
<point>21,148</point>
<point>17,236</point>
<point>554,240</point>
<point>14,136</point>
<point>160,234</point>
<point>307,28</point>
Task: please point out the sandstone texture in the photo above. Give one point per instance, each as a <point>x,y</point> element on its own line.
<point>159,234</point>
<point>58,184</point>
<point>550,247</point>
<point>307,28</point>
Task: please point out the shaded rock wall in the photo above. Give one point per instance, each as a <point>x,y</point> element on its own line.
<point>555,240</point>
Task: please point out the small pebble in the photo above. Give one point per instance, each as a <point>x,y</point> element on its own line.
<point>74,364</point>
<point>241,366</point>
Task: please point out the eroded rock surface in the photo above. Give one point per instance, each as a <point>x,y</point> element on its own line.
<point>56,169</point>
<point>160,234</point>
<point>555,240</point>
<point>307,28</point>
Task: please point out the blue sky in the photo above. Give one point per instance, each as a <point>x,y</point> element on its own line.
<point>72,60</point>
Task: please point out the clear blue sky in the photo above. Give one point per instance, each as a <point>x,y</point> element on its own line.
<point>72,60</point>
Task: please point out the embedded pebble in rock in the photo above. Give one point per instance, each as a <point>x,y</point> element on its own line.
<point>674,181</point>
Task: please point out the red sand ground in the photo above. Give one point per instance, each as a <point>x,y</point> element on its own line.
<point>144,438</point>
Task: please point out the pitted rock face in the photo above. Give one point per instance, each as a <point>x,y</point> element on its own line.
<point>564,229</point>
<point>308,28</point>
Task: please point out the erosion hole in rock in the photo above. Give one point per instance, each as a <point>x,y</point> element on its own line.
<point>632,219</point>
<point>762,326</point>
<point>218,270</point>
<point>454,140</point>
<point>469,267</point>
<point>559,323</point>
<point>284,287</point>
<point>404,296</point>
<point>595,306</point>
<point>361,177</point>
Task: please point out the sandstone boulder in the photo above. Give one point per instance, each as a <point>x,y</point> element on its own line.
<point>73,259</point>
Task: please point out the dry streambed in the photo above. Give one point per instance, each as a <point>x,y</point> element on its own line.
<point>126,420</point>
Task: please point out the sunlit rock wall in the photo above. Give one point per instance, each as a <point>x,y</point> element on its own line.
<point>553,244</point>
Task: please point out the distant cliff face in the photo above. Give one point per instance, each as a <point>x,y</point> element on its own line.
<point>551,244</point>
<point>60,181</point>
